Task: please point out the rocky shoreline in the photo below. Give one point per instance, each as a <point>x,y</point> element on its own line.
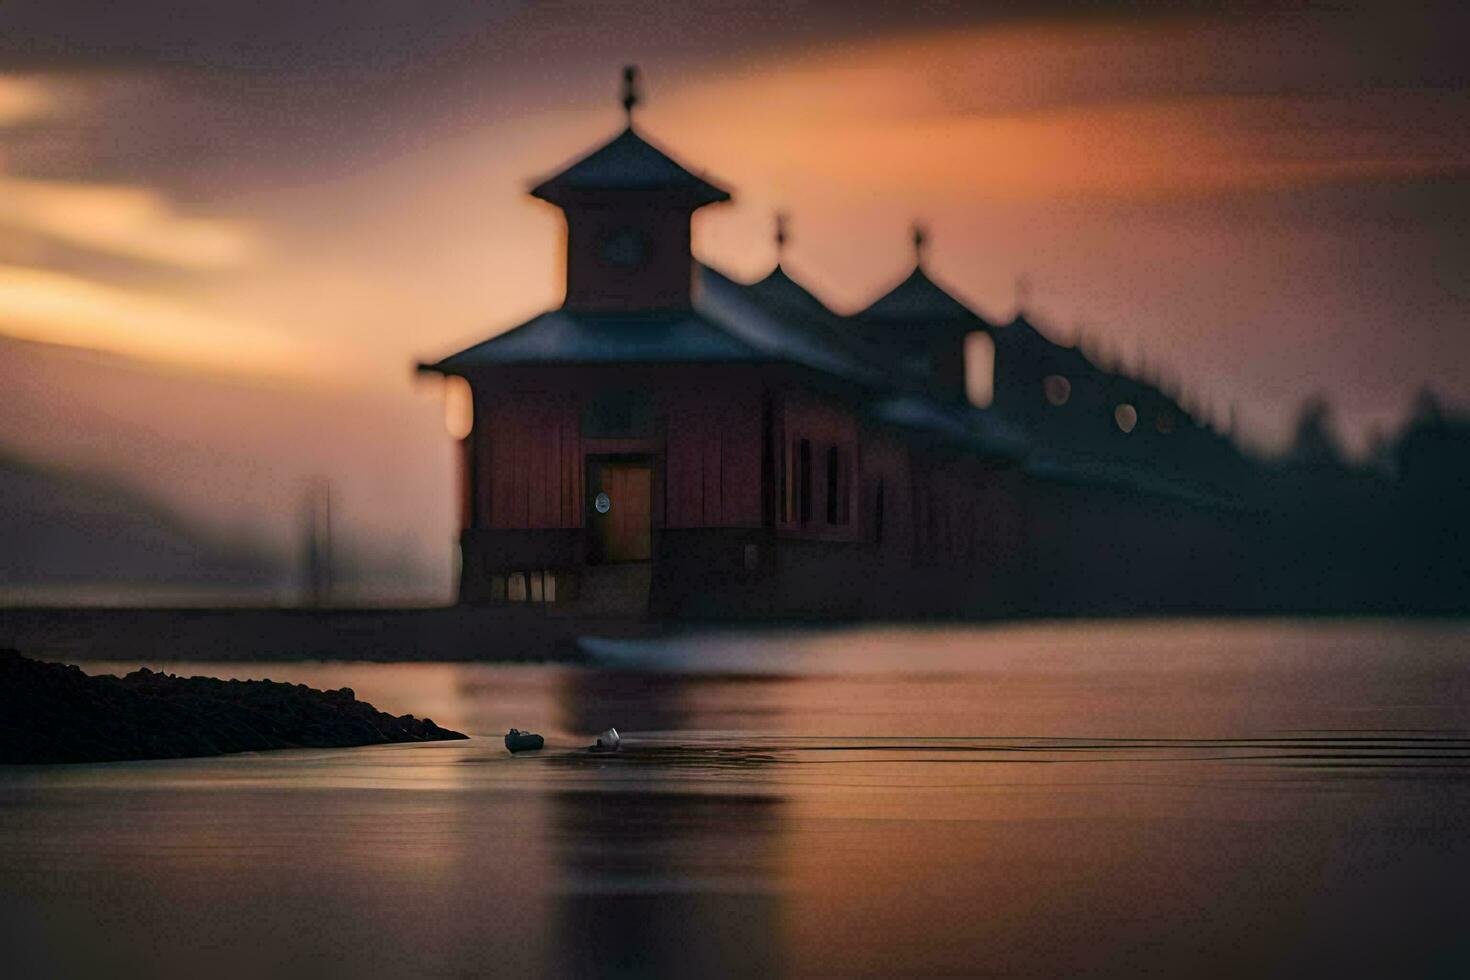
<point>52,713</point>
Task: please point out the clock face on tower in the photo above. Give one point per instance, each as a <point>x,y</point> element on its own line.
<point>623,247</point>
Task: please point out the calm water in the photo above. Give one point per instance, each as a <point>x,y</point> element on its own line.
<point>1200,799</point>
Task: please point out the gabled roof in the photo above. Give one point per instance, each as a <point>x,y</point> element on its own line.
<point>729,323</point>
<point>919,299</point>
<point>628,162</point>
<point>815,340</point>
<point>733,322</point>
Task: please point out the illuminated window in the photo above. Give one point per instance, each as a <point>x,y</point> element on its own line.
<point>459,407</point>
<point>980,369</point>
<point>1126,416</point>
<point>1057,389</point>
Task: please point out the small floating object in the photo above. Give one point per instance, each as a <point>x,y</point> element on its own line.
<point>519,741</point>
<point>608,741</point>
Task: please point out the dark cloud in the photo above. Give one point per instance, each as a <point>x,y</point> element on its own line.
<point>258,90</point>
<point>359,38</point>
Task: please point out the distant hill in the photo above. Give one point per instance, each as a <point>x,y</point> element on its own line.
<point>60,528</point>
<point>115,473</point>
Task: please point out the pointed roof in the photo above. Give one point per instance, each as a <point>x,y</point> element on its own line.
<point>780,290</point>
<point>628,162</point>
<point>920,298</point>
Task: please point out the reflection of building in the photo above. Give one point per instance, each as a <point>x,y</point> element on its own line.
<point>664,869</point>
<point>676,884</point>
<point>672,440</point>
<point>635,700</point>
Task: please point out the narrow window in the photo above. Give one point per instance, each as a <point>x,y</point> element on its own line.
<point>804,480</point>
<point>878,514</point>
<point>832,502</point>
<point>844,494</point>
<point>783,485</point>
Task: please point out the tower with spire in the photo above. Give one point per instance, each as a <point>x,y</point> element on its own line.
<point>628,206</point>
<point>670,425</point>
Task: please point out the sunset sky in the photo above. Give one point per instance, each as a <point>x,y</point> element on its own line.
<point>1261,201</point>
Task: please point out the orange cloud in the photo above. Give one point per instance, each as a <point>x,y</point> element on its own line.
<point>132,222</point>
<point>22,100</point>
<point>40,304</point>
<point>1032,113</point>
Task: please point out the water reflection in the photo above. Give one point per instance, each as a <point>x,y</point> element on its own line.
<point>667,884</point>
<point>1188,799</point>
<point>595,700</point>
<point>661,872</point>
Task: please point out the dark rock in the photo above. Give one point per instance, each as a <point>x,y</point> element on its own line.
<point>55,713</point>
<point>519,741</point>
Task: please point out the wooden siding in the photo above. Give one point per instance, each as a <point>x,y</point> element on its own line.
<point>529,462</point>
<point>529,455</point>
<point>712,457</point>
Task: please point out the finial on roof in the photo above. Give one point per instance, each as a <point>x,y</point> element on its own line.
<point>781,236</point>
<point>630,90</point>
<point>921,239</point>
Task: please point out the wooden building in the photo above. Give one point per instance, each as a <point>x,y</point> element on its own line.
<point>675,441</point>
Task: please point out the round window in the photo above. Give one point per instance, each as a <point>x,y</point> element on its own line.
<point>1057,389</point>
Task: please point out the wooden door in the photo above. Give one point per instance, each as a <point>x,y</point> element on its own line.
<point>621,510</point>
